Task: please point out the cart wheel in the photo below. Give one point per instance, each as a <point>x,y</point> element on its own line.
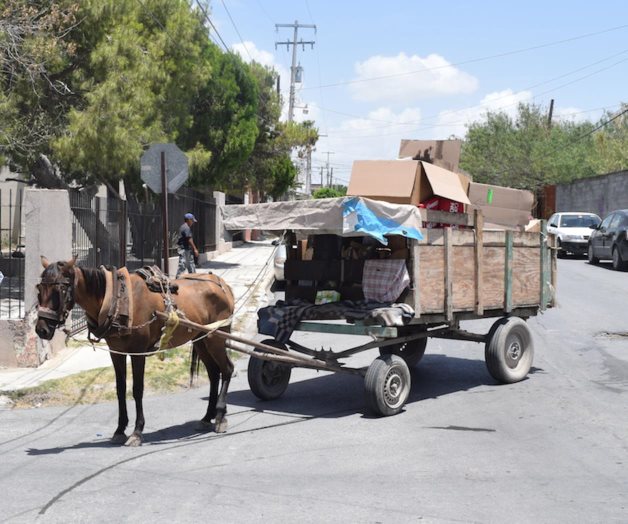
<point>509,350</point>
<point>268,380</point>
<point>387,385</point>
<point>412,352</point>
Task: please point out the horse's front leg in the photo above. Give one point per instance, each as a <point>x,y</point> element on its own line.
<point>138,364</point>
<point>119,365</point>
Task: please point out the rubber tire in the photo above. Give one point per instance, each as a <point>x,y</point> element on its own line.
<point>560,253</point>
<point>268,380</point>
<point>387,385</point>
<point>511,333</point>
<point>412,352</point>
<point>592,260</point>
<point>618,263</point>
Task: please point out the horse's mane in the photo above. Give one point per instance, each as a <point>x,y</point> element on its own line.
<point>95,281</point>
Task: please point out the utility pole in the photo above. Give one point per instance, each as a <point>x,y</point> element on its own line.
<point>293,68</point>
<point>327,178</point>
<point>551,112</point>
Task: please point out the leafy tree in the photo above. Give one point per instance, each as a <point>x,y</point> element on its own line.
<point>611,145</point>
<point>330,192</point>
<point>524,152</point>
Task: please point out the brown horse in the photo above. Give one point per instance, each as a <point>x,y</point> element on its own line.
<point>200,298</point>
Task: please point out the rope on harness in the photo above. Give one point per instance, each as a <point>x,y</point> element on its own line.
<point>169,328</point>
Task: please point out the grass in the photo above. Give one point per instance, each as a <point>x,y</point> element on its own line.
<point>99,385</point>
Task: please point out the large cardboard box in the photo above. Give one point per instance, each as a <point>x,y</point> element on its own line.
<point>441,153</point>
<point>405,181</point>
<point>501,206</point>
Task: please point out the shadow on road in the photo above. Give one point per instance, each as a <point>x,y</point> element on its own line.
<point>337,395</point>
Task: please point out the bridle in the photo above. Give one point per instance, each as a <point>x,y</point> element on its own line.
<point>65,288</point>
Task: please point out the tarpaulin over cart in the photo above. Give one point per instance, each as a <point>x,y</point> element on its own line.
<point>346,216</point>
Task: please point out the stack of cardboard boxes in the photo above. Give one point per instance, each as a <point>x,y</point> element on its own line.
<point>417,179</point>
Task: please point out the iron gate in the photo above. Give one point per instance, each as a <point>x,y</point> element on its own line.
<point>98,236</point>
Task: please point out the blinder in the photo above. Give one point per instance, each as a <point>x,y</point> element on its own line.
<point>65,289</point>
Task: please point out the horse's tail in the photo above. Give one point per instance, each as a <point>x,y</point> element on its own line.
<point>195,364</point>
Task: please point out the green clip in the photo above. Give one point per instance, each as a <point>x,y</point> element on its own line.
<point>489,196</point>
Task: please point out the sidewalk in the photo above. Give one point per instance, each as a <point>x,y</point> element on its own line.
<point>247,268</point>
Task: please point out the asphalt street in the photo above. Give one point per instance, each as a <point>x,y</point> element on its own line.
<point>552,448</point>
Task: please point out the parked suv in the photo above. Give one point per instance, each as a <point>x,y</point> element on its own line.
<point>608,240</point>
<point>573,231</point>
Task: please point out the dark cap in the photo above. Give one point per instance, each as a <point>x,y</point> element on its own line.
<point>190,216</point>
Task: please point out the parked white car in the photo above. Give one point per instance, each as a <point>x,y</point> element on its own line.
<point>573,231</point>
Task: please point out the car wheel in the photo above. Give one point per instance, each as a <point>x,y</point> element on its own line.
<point>591,257</point>
<point>561,252</point>
<point>618,263</point>
<point>509,350</point>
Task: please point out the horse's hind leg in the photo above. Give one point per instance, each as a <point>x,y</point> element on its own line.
<point>119,366</point>
<point>213,374</point>
<point>138,363</point>
<point>218,352</point>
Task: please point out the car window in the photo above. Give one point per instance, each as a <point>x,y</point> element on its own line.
<point>579,221</point>
<point>624,221</point>
<point>553,220</point>
<point>607,221</point>
<point>615,222</point>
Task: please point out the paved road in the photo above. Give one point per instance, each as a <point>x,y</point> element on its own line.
<point>553,448</point>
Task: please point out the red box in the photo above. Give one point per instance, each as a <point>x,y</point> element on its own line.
<point>443,204</point>
<point>437,203</point>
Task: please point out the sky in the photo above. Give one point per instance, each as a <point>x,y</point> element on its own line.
<point>379,72</point>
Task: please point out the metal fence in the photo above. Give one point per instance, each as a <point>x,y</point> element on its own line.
<point>145,245</point>
<point>11,255</point>
<point>99,227</point>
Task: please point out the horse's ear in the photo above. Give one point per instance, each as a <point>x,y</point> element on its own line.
<point>70,263</point>
<point>44,261</point>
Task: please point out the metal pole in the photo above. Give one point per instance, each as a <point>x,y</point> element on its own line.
<point>293,70</point>
<point>164,212</point>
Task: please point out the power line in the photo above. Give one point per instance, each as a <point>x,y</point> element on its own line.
<point>598,127</point>
<point>236,29</point>
<point>206,16</point>
<point>432,117</point>
<point>470,61</point>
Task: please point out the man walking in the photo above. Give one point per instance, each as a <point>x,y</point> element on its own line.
<point>186,247</point>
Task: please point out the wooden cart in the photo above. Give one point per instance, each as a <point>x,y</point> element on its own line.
<point>457,273</point>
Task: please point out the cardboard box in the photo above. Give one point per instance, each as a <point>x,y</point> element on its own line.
<point>441,153</point>
<point>501,206</point>
<point>405,181</point>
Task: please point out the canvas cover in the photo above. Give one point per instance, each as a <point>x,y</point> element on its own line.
<point>346,216</point>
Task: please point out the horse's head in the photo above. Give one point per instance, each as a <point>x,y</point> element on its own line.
<point>55,296</point>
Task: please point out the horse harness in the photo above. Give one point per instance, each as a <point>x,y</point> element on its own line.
<point>117,309</point>
<point>116,312</point>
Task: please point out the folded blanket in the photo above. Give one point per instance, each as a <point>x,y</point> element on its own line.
<point>279,321</point>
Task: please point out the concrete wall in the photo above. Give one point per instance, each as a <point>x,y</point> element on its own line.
<point>600,194</point>
<point>48,226</point>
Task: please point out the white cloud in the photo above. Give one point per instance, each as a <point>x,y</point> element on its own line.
<point>454,122</point>
<point>376,136</point>
<point>248,50</point>
<point>431,76</point>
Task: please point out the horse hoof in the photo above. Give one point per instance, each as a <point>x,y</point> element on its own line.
<point>118,438</point>
<point>134,441</point>
<point>221,427</point>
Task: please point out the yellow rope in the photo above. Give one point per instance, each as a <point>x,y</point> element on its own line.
<point>169,328</point>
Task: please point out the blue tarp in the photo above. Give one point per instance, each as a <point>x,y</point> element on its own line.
<point>369,223</point>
